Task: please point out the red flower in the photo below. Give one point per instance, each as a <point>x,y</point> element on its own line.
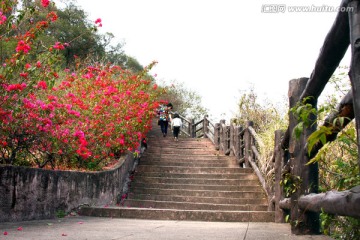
<point>2,18</point>
<point>59,46</point>
<point>22,47</point>
<point>14,87</point>
<point>45,3</point>
<point>42,85</point>
<point>52,16</point>
<point>24,75</point>
<point>98,22</point>
<point>42,25</point>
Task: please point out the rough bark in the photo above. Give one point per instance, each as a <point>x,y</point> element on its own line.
<point>306,222</point>
<point>332,52</point>
<point>354,22</point>
<point>345,203</point>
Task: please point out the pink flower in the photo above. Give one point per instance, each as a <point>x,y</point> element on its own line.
<point>2,18</point>
<point>24,75</point>
<point>22,47</point>
<point>98,22</point>
<point>14,87</point>
<point>19,228</point>
<point>79,134</point>
<point>42,85</point>
<point>59,46</point>
<point>45,3</point>
<point>5,233</point>
<point>52,16</point>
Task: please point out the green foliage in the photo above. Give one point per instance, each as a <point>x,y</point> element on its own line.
<point>185,101</point>
<point>340,227</point>
<point>267,118</point>
<point>338,160</point>
<point>60,214</point>
<point>318,135</point>
<point>264,114</point>
<point>290,184</point>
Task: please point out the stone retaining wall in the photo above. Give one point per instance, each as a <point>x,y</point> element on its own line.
<point>30,193</point>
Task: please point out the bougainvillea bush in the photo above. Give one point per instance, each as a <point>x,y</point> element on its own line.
<point>56,118</point>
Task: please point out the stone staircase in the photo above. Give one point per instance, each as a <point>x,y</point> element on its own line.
<point>189,180</point>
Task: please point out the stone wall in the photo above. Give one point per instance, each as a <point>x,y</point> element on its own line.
<point>30,193</point>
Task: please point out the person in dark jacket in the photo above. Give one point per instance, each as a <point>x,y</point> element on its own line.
<point>164,117</point>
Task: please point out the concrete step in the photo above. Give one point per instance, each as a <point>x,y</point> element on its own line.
<point>240,176</point>
<point>180,145</point>
<point>200,163</point>
<point>255,193</point>
<point>192,170</point>
<point>179,156</point>
<point>188,153</point>
<point>176,214</point>
<point>197,199</point>
<point>240,182</point>
<point>192,205</point>
<point>187,158</point>
<point>207,187</point>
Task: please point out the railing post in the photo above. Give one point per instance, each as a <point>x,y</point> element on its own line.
<point>304,176</point>
<point>222,136</point>
<point>237,142</point>
<point>193,129</point>
<point>279,164</point>
<point>241,147</point>
<point>247,140</point>
<point>206,126</point>
<point>227,140</point>
<point>354,73</point>
<point>232,140</point>
<point>217,136</point>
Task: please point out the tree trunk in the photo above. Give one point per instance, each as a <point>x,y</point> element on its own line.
<point>302,222</point>
<point>332,52</point>
<point>354,22</point>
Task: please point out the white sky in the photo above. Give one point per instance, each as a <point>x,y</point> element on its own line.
<point>219,48</point>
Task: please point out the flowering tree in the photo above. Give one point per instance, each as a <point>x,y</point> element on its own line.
<point>63,119</point>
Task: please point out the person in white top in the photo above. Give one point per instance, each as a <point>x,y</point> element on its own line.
<point>176,124</point>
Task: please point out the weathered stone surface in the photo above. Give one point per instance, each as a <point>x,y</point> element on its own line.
<point>28,193</point>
